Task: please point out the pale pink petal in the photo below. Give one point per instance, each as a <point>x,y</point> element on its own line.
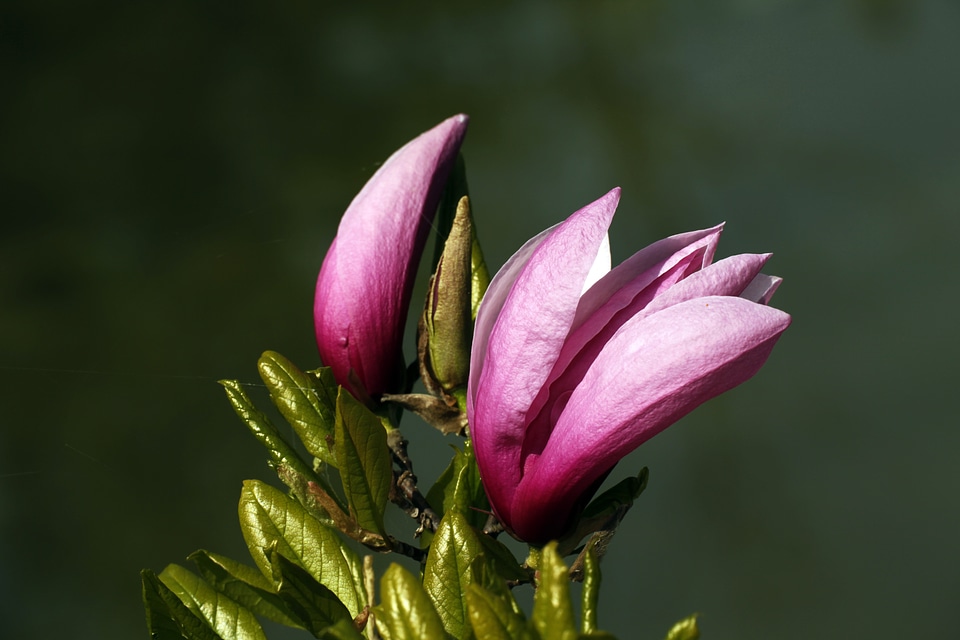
<point>601,266</point>
<point>762,288</point>
<point>728,277</point>
<point>637,271</point>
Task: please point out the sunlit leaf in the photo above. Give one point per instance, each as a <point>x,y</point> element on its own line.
<point>311,412</point>
<point>312,602</point>
<point>449,570</point>
<point>493,618</point>
<point>686,629</point>
<point>244,584</point>
<point>406,611</point>
<point>364,460</point>
<point>168,618</point>
<point>270,517</point>
<point>226,617</point>
<point>291,468</point>
<point>552,610</point>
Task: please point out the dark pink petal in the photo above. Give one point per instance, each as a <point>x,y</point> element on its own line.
<point>524,341</point>
<point>366,280</point>
<point>654,371</point>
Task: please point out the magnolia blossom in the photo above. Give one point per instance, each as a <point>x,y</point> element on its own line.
<point>574,365</point>
<point>366,280</point>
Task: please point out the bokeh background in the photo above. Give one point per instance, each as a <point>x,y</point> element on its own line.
<point>173,172</point>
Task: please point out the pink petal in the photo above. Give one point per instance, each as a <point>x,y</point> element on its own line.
<point>531,324</point>
<point>637,271</point>
<point>654,371</point>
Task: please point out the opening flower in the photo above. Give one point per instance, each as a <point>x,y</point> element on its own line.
<point>366,280</point>
<point>574,365</point>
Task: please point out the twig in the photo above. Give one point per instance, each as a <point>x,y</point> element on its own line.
<point>409,498</point>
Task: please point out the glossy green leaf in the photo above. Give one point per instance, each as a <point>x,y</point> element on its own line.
<point>310,410</point>
<point>291,468</point>
<point>459,488</point>
<point>228,619</point>
<point>449,570</point>
<point>168,618</point>
<point>552,609</point>
<point>312,602</point>
<point>364,459</point>
<point>270,517</point>
<point>686,629</point>
<point>406,611</point>
<point>244,584</point>
<point>591,591</point>
<point>492,617</point>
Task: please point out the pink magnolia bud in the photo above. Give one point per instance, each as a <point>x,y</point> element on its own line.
<point>366,280</point>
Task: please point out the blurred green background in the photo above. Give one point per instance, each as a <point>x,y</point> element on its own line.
<point>172,174</point>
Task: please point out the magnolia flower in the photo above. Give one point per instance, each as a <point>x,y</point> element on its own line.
<point>573,365</point>
<point>365,283</point>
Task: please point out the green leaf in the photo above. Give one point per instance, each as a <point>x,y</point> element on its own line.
<point>459,488</point>
<point>312,602</point>
<point>343,630</point>
<point>492,617</point>
<point>406,611</point>
<point>227,618</point>
<point>449,570</point>
<point>291,468</point>
<point>309,410</point>
<point>686,629</point>
<point>591,590</point>
<point>499,557</point>
<point>270,517</point>
<point>605,511</point>
<point>552,610</point>
<point>168,618</point>
<point>364,460</point>
<point>244,584</point>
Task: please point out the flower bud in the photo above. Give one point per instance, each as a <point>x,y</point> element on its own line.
<point>366,281</point>
<point>447,325</point>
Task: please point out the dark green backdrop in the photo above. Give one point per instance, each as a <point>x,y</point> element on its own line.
<point>172,174</point>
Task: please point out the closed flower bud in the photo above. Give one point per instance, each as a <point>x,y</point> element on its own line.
<point>364,287</point>
<point>447,326</point>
